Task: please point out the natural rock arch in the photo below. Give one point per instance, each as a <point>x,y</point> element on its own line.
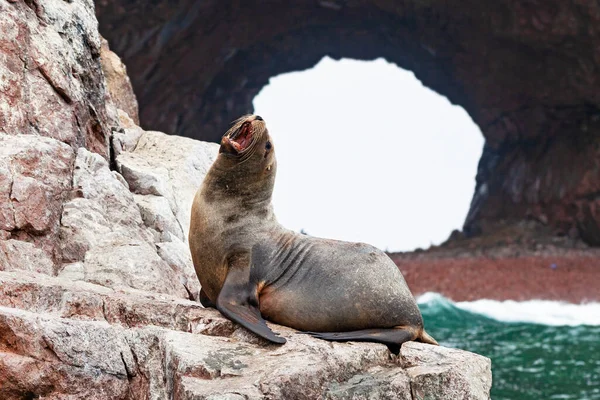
<point>527,73</point>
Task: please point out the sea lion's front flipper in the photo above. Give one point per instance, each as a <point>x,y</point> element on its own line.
<point>238,301</point>
<point>391,337</point>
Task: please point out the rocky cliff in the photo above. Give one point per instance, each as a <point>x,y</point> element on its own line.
<point>527,71</point>
<point>97,291</point>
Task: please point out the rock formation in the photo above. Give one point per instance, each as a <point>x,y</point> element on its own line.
<point>97,289</point>
<point>526,71</point>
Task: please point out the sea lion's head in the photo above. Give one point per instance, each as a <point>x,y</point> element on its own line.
<point>248,142</point>
<point>247,155</point>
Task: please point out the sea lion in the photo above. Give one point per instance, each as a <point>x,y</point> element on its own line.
<point>251,268</point>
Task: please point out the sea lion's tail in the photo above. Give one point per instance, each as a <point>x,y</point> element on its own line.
<point>424,337</point>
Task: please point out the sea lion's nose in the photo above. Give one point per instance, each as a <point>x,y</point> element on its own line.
<point>258,118</point>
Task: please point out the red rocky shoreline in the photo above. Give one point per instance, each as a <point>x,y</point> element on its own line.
<point>570,275</point>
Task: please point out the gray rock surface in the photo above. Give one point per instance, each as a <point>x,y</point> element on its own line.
<point>118,83</point>
<point>128,343</point>
<point>171,167</point>
<point>443,373</point>
<point>18,255</point>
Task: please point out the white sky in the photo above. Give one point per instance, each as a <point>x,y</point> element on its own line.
<point>366,153</point>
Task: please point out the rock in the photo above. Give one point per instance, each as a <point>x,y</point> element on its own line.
<point>105,205</point>
<point>374,384</point>
<point>126,307</point>
<point>53,358</point>
<point>83,225</point>
<point>541,125</point>
<point>148,347</point>
<point>104,230</point>
<point>35,180</point>
<point>36,172</point>
<point>171,167</point>
<point>27,377</point>
<point>52,101</point>
<point>106,188</point>
<point>126,138</point>
<point>176,253</point>
<point>119,262</point>
<point>53,339</point>
<point>61,205</point>
<point>443,373</point>
<point>95,273</point>
<point>17,255</point>
<point>165,172</point>
<point>115,342</point>
<point>118,83</point>
<point>73,271</point>
<point>157,214</point>
<point>52,83</point>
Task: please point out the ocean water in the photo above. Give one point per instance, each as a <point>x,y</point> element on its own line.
<point>539,349</point>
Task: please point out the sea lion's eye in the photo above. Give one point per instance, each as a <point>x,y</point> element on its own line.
<point>268,146</point>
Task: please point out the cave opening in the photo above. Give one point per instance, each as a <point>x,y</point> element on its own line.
<point>196,66</point>
<point>367,153</point>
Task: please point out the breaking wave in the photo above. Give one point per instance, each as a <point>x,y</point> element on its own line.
<point>542,312</point>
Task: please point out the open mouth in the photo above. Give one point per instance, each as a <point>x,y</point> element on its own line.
<point>241,138</point>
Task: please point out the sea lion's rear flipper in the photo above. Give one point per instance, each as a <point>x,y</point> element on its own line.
<point>425,337</point>
<point>391,337</point>
<point>238,301</point>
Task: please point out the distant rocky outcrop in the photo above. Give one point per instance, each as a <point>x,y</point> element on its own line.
<point>526,71</point>
<point>97,289</point>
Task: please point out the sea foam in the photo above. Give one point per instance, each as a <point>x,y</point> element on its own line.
<point>543,312</point>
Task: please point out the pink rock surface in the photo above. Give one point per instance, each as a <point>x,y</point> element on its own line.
<point>60,338</point>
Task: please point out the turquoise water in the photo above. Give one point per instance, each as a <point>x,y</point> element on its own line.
<point>557,357</point>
